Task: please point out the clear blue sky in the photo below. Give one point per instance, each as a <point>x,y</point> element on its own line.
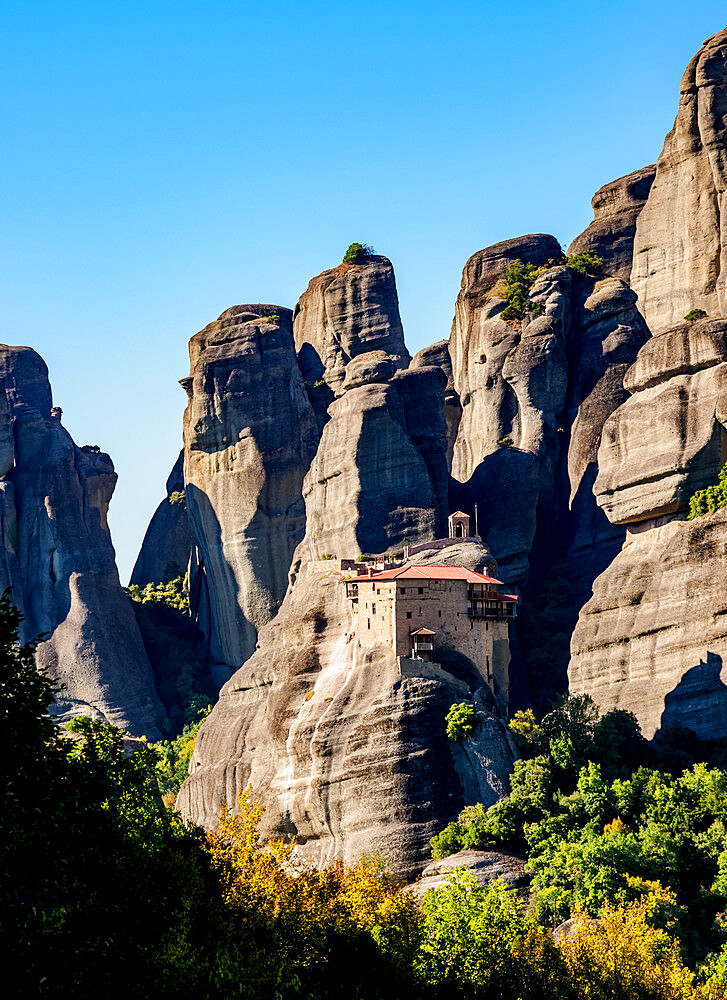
<point>163,161</point>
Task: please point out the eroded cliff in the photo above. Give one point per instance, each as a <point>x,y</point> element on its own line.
<point>249,437</point>
<point>343,751</point>
<point>58,558</point>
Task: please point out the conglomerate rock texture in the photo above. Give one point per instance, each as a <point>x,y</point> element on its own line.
<point>680,247</point>
<point>344,752</point>
<point>616,207</point>
<point>438,355</point>
<point>57,556</point>
<point>669,438</point>
<point>167,544</point>
<point>249,437</point>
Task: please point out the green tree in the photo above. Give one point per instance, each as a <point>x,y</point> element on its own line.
<point>358,253</point>
<point>461,720</point>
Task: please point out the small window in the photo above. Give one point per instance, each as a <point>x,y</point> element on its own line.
<point>421,590</point>
<point>368,623</point>
<point>373,609</point>
<point>408,614</point>
<point>439,613</point>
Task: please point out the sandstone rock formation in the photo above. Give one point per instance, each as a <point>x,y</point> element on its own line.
<point>379,478</point>
<point>438,355</point>
<point>349,310</point>
<point>669,438</point>
<point>165,551</point>
<point>653,638</point>
<point>342,750</point>
<point>653,635</point>
<point>57,556</point>
<point>616,207</point>
<point>680,247</point>
<point>534,397</point>
<point>249,437</point>
<point>486,866</point>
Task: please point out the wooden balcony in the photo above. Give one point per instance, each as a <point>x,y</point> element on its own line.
<point>492,610</point>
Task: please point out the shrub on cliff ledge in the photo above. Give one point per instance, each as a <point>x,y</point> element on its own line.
<point>694,314</point>
<point>358,253</point>
<point>712,498</point>
<point>461,720</point>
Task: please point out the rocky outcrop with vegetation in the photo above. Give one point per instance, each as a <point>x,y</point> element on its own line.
<point>344,752</point>
<point>165,551</point>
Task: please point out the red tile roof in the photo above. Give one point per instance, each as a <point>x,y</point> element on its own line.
<point>410,572</point>
<point>422,631</point>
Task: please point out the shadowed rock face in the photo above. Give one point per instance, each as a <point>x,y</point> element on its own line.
<point>669,438</point>
<point>616,207</point>
<point>249,436</point>
<point>653,638</point>
<point>165,551</point>
<point>680,247</point>
<point>379,478</point>
<point>438,355</point>
<point>349,310</point>
<point>58,558</point>
<point>342,751</point>
<point>546,383</point>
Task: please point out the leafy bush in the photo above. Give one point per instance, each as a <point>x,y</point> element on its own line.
<point>174,645</point>
<point>461,720</point>
<point>173,756</point>
<point>506,442</point>
<point>518,280</point>
<point>694,314</point>
<point>585,264</point>
<point>712,498</point>
<point>520,277</point>
<point>178,497</point>
<point>175,593</point>
<point>358,253</point>
<point>600,822</point>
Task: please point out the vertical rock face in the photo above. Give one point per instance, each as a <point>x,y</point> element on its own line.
<point>544,387</point>
<point>165,551</point>
<point>342,750</point>
<point>668,439</point>
<point>479,345</point>
<point>58,558</point>
<point>249,436</point>
<point>379,477</point>
<point>349,310</point>
<point>653,636</point>
<point>616,207</point>
<point>680,248</point>
<point>438,355</point>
